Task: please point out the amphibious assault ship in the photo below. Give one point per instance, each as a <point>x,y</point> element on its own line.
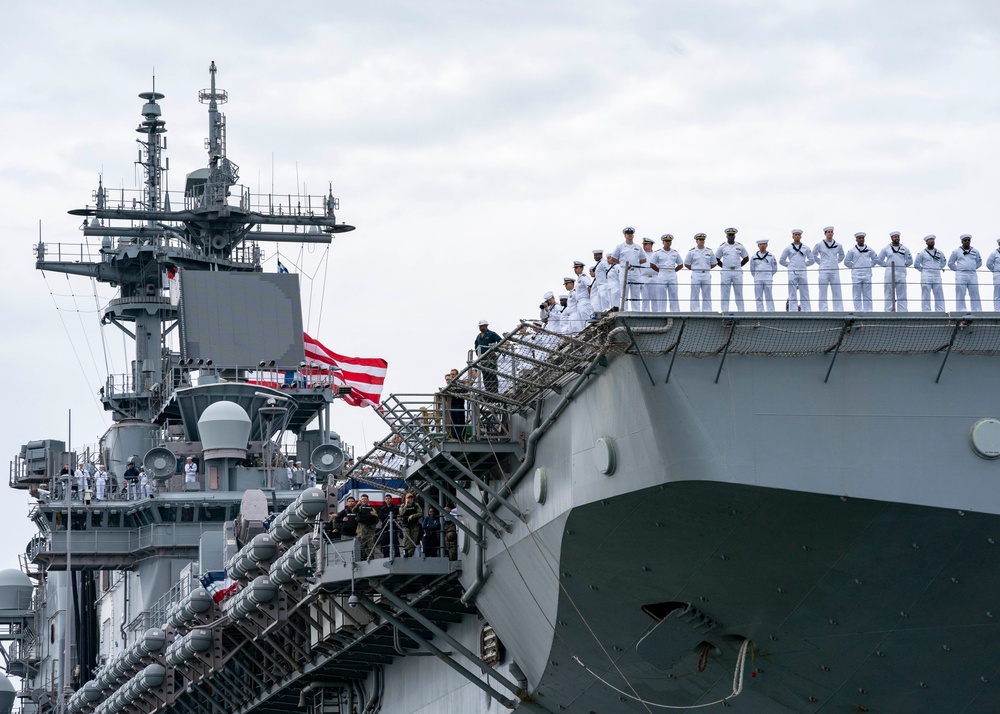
<point>757,512</point>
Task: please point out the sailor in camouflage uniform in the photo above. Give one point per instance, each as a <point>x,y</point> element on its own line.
<point>410,516</point>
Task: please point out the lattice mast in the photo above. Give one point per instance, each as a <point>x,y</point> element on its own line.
<point>218,226</point>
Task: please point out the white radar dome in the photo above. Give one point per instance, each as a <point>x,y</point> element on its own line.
<point>224,425</point>
<point>15,590</point>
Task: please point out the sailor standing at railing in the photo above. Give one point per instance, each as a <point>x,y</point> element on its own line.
<point>930,262</point>
<point>797,257</point>
<point>670,262</point>
<point>700,261</point>
<point>993,265</point>
<point>965,260</point>
<point>570,321</point>
<point>81,479</point>
<point>630,255</point>
<point>896,258</point>
<point>732,256</point>
<point>861,259</point>
<point>763,266</point>
<point>829,254</point>
<point>599,290</point>
<point>100,483</point>
<point>582,288</point>
<point>614,286</point>
<point>648,273</point>
<point>145,490</point>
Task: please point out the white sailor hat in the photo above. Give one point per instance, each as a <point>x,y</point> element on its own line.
<point>666,236</point>
<point>484,322</point>
<point>894,234</point>
<point>762,241</point>
<point>965,236</point>
<point>930,237</point>
<point>700,236</point>
<point>860,234</point>
<point>548,295</point>
<point>647,240</point>
<point>796,230</point>
<point>731,230</point>
<point>628,229</point>
<point>578,262</point>
<point>190,458</point>
<point>569,280</point>
<point>564,297</point>
<point>828,228</point>
<point>595,251</point>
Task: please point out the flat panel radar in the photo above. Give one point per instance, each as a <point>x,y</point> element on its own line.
<point>240,319</point>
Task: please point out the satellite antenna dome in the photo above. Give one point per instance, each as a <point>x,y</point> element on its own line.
<point>224,425</point>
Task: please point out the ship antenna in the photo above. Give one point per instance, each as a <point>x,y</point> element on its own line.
<point>223,172</point>
<point>153,127</point>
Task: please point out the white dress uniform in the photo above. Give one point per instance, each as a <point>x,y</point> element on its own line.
<point>993,265</point>
<point>81,481</point>
<point>900,257</point>
<point>144,486</point>
<point>555,319</point>
<point>930,262</point>
<point>730,257</point>
<point>668,261</point>
<point>631,279</point>
<point>570,318</point>
<point>763,266</point>
<point>828,257</point>
<point>599,291</point>
<point>797,258</point>
<point>861,259</point>
<point>100,484</point>
<point>965,263</point>
<point>614,287</point>
<point>584,308</point>
<point>701,261</point>
<point>649,286</point>
<point>190,472</point>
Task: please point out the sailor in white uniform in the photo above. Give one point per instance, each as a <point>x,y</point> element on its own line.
<point>571,319</point>
<point>763,266</point>
<point>829,254</point>
<point>630,257</point>
<point>896,258</point>
<point>599,290</point>
<point>797,257</point>
<point>81,479</point>
<point>861,259</point>
<point>700,261</point>
<point>565,317</point>
<point>554,323</point>
<point>993,265</point>
<point>100,484</point>
<point>930,262</point>
<point>145,488</point>
<point>965,260</point>
<point>614,286</point>
<point>582,288</point>
<point>669,262</point>
<point>190,471</point>
<point>731,256</point>
<point>649,273</point>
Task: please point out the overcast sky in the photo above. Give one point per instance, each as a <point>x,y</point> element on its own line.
<point>479,149</point>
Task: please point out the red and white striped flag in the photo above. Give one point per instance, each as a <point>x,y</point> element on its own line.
<point>364,375</point>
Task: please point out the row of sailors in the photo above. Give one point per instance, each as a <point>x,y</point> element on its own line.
<point>649,278</point>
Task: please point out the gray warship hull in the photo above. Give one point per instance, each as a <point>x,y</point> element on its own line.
<point>828,508</point>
